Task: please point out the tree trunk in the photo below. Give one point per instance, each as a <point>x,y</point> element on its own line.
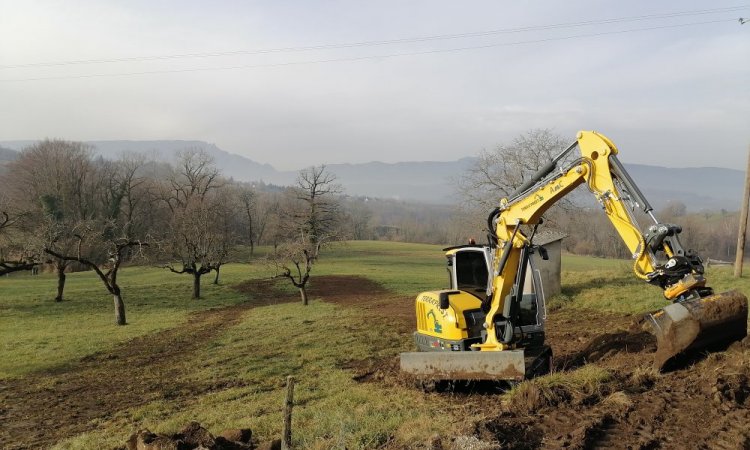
<point>216,279</point>
<point>197,284</point>
<point>119,309</point>
<point>252,247</point>
<point>303,294</point>
<point>60,283</point>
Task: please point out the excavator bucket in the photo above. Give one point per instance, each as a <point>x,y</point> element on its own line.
<point>466,365</point>
<point>694,325</point>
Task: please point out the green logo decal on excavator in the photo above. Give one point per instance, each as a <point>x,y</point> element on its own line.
<point>537,198</point>
<point>438,327</point>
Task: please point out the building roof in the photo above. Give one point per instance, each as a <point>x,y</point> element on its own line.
<point>547,236</point>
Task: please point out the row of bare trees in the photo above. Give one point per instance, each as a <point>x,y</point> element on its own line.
<point>62,206</point>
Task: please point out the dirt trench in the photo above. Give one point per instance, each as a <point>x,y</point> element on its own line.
<point>704,404</point>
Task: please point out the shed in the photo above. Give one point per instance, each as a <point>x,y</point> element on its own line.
<point>549,270</point>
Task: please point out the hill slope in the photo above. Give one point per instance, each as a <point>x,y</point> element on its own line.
<point>709,188</point>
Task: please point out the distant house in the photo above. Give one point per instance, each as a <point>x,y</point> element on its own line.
<point>388,232</point>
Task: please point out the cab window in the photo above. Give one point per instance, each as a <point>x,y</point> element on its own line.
<point>471,272</point>
<point>528,310</point>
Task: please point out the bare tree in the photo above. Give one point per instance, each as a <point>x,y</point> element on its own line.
<point>194,176</point>
<point>248,199</point>
<point>200,234</point>
<point>199,240</point>
<point>269,219</point>
<point>226,226</point>
<point>54,180</point>
<point>294,261</point>
<point>319,216</point>
<point>111,233</point>
<point>16,253</point>
<point>358,217</point>
<point>310,218</point>
<point>496,174</point>
<point>673,210</point>
<point>107,254</point>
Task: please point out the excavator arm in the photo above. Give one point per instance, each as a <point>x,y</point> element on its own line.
<point>598,168</point>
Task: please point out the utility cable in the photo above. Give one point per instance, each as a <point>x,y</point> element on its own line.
<point>382,42</point>
<point>361,58</point>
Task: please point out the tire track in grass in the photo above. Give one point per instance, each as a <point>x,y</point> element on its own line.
<point>42,408</point>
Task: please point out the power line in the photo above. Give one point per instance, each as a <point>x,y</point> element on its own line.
<point>361,58</point>
<point>384,42</point>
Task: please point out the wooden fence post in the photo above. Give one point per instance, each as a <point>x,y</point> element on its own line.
<point>740,256</point>
<point>286,432</point>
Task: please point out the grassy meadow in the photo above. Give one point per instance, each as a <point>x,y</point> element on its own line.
<point>314,343</point>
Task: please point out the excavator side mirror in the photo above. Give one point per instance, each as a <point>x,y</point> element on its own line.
<point>444,303</point>
<point>543,253</point>
<point>443,299</point>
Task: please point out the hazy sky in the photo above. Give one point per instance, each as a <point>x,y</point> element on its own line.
<point>676,96</point>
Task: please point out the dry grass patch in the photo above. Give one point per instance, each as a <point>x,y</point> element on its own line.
<point>585,385</point>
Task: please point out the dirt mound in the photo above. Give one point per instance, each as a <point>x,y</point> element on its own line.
<point>517,433</point>
<point>192,437</point>
<point>706,405</point>
<point>608,345</point>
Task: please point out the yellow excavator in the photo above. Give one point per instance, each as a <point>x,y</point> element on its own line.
<point>490,324</point>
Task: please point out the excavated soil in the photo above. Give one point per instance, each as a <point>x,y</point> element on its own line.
<point>702,403</point>
<point>705,404</point>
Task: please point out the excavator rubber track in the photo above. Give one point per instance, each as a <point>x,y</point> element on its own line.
<point>696,325</point>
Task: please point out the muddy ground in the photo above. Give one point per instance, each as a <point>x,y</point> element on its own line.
<point>703,404</point>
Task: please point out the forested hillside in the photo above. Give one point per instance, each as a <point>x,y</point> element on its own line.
<point>433,182</point>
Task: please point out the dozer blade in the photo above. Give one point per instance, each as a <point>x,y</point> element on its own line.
<point>713,321</point>
<point>465,365</point>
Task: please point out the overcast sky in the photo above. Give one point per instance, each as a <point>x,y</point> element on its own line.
<point>677,96</point>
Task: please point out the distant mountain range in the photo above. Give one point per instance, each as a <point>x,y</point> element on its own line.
<point>706,188</point>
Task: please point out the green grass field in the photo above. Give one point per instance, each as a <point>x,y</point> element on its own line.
<point>37,333</point>
<point>313,343</point>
